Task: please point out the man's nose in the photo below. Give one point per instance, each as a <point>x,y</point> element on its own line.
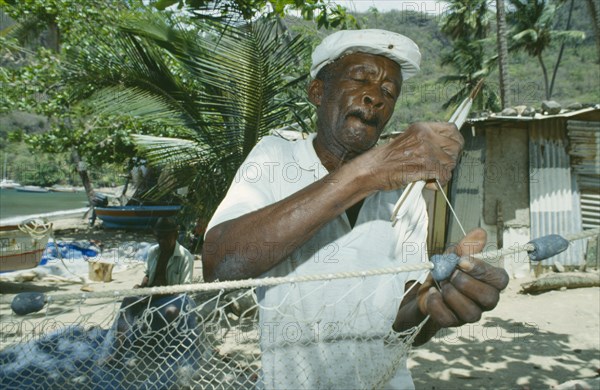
<point>372,97</point>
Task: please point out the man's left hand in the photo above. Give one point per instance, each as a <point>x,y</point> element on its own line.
<point>474,287</point>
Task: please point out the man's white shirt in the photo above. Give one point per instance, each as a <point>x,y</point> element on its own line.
<point>326,334</point>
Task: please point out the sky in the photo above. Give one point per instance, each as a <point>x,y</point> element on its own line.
<point>427,6</point>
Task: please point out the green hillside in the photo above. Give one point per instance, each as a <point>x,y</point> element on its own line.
<point>578,77</point>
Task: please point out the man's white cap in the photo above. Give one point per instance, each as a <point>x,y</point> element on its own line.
<point>394,46</point>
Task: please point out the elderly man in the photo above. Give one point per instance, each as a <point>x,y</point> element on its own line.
<point>323,205</point>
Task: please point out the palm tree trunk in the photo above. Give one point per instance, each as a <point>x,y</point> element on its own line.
<point>53,36</point>
<point>502,53</point>
<point>560,52</point>
<point>595,15</point>
<point>545,72</point>
<point>83,174</point>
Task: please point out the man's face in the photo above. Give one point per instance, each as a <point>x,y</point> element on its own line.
<point>166,240</point>
<point>356,102</point>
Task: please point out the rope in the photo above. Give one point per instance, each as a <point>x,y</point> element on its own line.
<point>441,189</point>
<point>39,229</point>
<point>496,254</point>
<point>36,228</point>
<point>272,281</point>
<point>237,284</point>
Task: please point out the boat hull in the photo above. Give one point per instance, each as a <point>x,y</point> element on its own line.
<point>19,250</point>
<point>32,189</point>
<point>133,217</point>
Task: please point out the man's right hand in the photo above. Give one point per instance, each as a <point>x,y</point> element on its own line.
<point>425,151</point>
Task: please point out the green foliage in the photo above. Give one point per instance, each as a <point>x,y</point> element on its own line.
<point>533,31</point>
<point>468,25</point>
<point>213,98</point>
<point>35,86</point>
<point>423,96</point>
<point>467,20</point>
<point>29,167</point>
<point>40,80</point>
<point>325,14</point>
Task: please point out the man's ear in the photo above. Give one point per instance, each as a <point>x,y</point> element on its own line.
<point>315,92</point>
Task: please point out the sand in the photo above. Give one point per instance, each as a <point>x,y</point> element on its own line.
<point>527,342</point>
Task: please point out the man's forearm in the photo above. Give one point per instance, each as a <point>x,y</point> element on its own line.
<point>254,243</point>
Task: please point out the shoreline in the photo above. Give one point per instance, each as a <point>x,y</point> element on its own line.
<point>57,216</point>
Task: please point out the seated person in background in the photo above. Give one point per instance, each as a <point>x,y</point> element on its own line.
<point>168,264</point>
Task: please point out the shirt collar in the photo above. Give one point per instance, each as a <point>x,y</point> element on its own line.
<point>306,156</point>
<point>177,251</point>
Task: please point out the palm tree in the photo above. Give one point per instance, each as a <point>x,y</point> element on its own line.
<point>533,32</point>
<point>468,25</point>
<point>222,86</point>
<point>469,57</point>
<point>467,19</point>
<point>594,11</point>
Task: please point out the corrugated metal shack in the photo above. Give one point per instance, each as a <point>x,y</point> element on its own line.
<point>525,177</point>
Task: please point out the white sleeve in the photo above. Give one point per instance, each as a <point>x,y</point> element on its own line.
<point>414,244</point>
<point>251,188</point>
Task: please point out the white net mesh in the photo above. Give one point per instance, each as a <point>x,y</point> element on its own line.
<point>287,335</point>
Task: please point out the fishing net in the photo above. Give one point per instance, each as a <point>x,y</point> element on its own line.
<point>268,333</point>
<point>299,332</point>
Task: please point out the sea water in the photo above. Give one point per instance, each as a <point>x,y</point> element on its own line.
<point>15,204</point>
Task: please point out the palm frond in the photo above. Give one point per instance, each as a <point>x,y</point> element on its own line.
<point>176,157</point>
<point>24,30</point>
<point>166,151</point>
<point>134,102</point>
<point>235,77</point>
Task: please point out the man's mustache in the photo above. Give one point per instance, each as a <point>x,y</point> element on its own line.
<point>366,116</point>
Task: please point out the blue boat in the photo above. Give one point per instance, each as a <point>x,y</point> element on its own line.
<point>133,217</point>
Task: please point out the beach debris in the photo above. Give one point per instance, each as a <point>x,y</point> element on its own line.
<point>28,302</point>
<point>100,271</point>
<point>509,111</point>
<point>27,276</point>
<point>565,280</point>
<point>557,266</point>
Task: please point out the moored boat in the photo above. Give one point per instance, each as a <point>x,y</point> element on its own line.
<point>133,217</point>
<point>8,184</point>
<point>22,246</point>
<point>35,189</point>
<point>57,188</point>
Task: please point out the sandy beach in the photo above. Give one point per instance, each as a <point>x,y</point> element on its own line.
<point>527,342</point>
